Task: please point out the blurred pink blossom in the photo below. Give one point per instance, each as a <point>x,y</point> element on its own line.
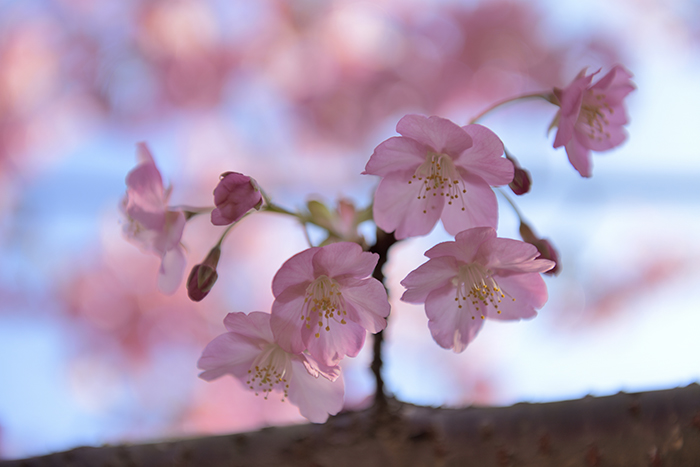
<point>150,224</point>
<point>435,170</point>
<point>325,301</point>
<point>475,277</point>
<point>591,117</point>
<point>249,353</point>
<point>234,196</point>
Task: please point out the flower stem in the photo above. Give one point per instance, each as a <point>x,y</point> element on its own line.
<point>502,192</point>
<point>548,96</point>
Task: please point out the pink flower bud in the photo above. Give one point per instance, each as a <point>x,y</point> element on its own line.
<point>543,245</point>
<point>234,196</point>
<point>521,179</point>
<point>203,276</point>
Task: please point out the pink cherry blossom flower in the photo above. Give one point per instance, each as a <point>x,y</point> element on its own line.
<point>234,196</point>
<point>150,224</point>
<point>477,276</point>
<point>591,117</point>
<point>437,170</point>
<point>325,301</point>
<point>249,353</point>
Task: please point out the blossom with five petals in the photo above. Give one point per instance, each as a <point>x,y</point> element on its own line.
<point>325,301</point>
<point>477,276</point>
<point>437,170</point>
<point>591,117</point>
<point>234,196</point>
<point>249,353</point>
<point>150,223</point>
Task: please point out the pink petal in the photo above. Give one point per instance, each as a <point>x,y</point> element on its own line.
<point>172,269</point>
<point>484,157</point>
<point>367,303</point>
<point>286,322</point>
<point>529,292</point>
<point>616,135</point>
<point>450,326</point>
<point>331,346</point>
<point>511,256</point>
<point>465,246</point>
<point>579,156</point>
<point>316,397</point>
<point>571,99</point>
<point>427,277</point>
<point>170,235</point>
<point>344,259</point>
<point>254,326</point>
<point>316,368</point>
<point>395,155</point>
<point>397,207</point>
<point>227,354</point>
<point>297,269</point>
<point>442,135</point>
<point>479,203</point>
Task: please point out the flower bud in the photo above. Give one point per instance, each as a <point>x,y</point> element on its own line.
<point>203,276</point>
<point>543,245</point>
<point>521,179</point>
<point>234,196</point>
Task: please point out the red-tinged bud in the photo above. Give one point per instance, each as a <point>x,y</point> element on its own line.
<point>521,179</point>
<point>543,245</point>
<point>203,276</point>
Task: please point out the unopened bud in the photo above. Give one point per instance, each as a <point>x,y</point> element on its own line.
<point>203,276</point>
<point>543,245</point>
<point>521,179</point>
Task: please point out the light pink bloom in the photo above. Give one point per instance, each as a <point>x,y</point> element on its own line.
<point>475,277</point>
<point>591,117</point>
<point>324,301</point>
<point>150,224</point>
<point>234,196</point>
<point>435,170</point>
<point>249,353</point>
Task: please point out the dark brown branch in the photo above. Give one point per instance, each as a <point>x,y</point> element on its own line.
<point>655,429</point>
<point>381,247</point>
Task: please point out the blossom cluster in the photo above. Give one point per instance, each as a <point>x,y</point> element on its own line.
<point>325,298</point>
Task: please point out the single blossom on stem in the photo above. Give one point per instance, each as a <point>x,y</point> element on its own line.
<point>234,196</point>
<point>248,352</point>
<point>437,170</point>
<point>325,301</point>
<point>591,118</point>
<point>475,277</point>
<point>150,224</point>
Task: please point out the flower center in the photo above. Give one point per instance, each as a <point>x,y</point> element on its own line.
<point>438,176</point>
<point>593,114</point>
<point>268,370</point>
<point>323,301</point>
<point>476,285</point>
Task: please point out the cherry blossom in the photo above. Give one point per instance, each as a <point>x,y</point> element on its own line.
<point>592,117</point>
<point>150,224</point>
<point>234,196</point>
<point>248,352</point>
<point>437,170</point>
<point>475,277</point>
<point>325,301</point>
<point>203,276</point>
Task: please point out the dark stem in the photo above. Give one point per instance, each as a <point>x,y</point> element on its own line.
<point>381,247</point>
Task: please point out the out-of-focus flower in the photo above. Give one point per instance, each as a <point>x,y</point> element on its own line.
<point>543,245</point>
<point>203,276</point>
<point>150,224</point>
<point>249,352</point>
<point>475,277</point>
<point>591,117</point>
<point>324,301</point>
<point>234,196</point>
<point>340,223</point>
<point>435,170</point>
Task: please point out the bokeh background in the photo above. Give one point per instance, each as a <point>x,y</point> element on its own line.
<point>297,94</point>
